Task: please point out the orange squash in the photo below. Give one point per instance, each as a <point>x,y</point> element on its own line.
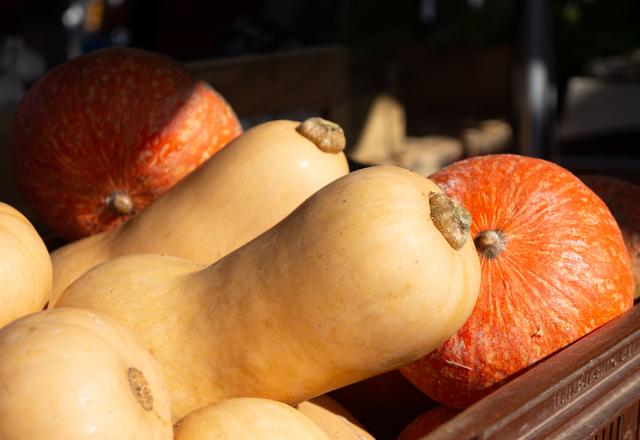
<point>623,199</point>
<point>103,134</point>
<point>554,268</point>
<point>427,422</point>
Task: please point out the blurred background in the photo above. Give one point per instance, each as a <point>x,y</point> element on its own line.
<point>417,83</point>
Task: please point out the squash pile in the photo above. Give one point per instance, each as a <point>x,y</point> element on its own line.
<point>271,276</point>
<point>243,190</point>
<point>336,292</point>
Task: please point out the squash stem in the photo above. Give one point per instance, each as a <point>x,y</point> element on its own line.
<point>326,135</point>
<point>120,202</point>
<point>140,388</point>
<point>452,219</point>
<point>490,243</point>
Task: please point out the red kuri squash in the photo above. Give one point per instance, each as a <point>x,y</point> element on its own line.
<point>623,199</point>
<point>102,135</point>
<point>427,422</point>
<point>554,267</point>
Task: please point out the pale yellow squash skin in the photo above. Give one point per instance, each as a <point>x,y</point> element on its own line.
<point>355,282</point>
<point>248,418</point>
<point>240,192</point>
<point>67,374</point>
<point>334,419</point>
<point>25,267</point>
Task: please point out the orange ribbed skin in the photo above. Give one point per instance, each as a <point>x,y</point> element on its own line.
<point>113,121</point>
<point>563,272</point>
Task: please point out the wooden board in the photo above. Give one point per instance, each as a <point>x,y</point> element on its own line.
<point>313,78</point>
<point>589,390</point>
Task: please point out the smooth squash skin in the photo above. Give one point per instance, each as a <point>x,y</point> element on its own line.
<point>248,418</point>
<point>240,192</point>
<point>25,267</point>
<point>334,419</point>
<point>357,281</point>
<point>71,374</point>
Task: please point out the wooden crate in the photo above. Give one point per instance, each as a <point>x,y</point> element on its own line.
<point>314,79</point>
<point>589,390</point>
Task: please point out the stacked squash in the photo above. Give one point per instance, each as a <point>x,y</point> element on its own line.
<point>336,292</point>
<point>270,276</point>
<point>296,311</point>
<point>243,190</point>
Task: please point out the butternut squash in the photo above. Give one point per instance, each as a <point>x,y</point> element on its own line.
<point>240,192</point>
<point>70,374</point>
<point>333,418</point>
<point>372,271</point>
<point>248,418</point>
<point>25,267</point>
